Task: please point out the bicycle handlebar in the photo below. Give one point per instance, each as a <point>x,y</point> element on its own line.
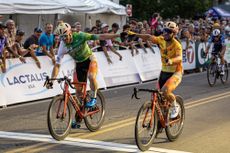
<point>136,90</point>
<point>59,80</point>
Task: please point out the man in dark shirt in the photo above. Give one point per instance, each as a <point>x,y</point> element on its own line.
<point>31,44</point>
<point>33,39</point>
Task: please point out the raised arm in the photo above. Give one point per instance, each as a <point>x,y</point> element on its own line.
<point>107,36</point>
<point>145,36</point>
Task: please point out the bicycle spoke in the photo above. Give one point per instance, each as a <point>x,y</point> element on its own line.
<point>174,124</point>
<point>58,123</point>
<point>145,130</point>
<point>211,74</point>
<point>95,116</point>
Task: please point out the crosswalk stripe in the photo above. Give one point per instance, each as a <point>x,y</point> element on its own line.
<point>82,143</point>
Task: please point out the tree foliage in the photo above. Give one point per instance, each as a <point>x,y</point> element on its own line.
<point>143,9</point>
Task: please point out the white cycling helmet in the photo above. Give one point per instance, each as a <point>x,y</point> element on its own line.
<point>216,32</point>
<point>173,26</point>
<point>227,29</point>
<point>62,29</point>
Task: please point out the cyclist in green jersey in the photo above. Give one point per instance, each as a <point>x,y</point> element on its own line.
<point>75,44</point>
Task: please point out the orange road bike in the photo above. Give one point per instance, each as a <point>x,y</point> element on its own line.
<point>154,116</point>
<point>59,116</point>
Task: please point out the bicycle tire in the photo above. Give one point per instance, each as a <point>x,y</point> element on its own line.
<point>57,133</point>
<point>211,72</point>
<point>151,131</point>
<point>170,135</point>
<point>88,119</point>
<point>224,78</point>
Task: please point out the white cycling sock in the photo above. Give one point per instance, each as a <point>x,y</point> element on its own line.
<point>174,103</point>
<point>222,66</point>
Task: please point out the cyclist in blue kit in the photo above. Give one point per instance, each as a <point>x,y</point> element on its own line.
<point>219,47</point>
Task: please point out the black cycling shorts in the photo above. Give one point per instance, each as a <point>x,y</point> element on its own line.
<point>164,76</point>
<point>82,70</point>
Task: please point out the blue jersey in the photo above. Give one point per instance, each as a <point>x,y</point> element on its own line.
<point>46,40</point>
<point>217,45</point>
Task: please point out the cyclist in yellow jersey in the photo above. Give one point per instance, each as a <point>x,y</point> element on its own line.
<point>171,58</point>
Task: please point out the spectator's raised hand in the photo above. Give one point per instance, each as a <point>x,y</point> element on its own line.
<point>109,61</point>
<point>33,46</point>
<point>22,59</point>
<point>38,64</point>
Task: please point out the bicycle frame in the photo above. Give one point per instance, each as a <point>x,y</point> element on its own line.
<point>158,103</point>
<point>80,109</point>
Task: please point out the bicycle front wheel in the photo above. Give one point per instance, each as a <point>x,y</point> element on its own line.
<point>95,120</point>
<point>175,125</point>
<point>211,74</point>
<point>145,127</point>
<point>224,78</point>
<point>58,122</point>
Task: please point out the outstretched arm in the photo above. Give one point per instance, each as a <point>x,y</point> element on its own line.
<point>15,54</point>
<point>144,36</point>
<point>108,36</point>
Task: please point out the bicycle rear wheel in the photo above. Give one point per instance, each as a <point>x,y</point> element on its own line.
<point>175,125</point>
<point>58,122</point>
<point>145,129</point>
<point>211,74</point>
<point>224,78</point>
<point>94,121</point>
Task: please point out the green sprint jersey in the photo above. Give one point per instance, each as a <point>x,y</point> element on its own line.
<point>78,48</point>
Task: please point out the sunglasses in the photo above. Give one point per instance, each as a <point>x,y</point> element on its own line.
<point>168,31</point>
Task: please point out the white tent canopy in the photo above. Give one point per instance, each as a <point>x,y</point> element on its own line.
<point>112,7</point>
<point>31,7</point>
<point>60,7</point>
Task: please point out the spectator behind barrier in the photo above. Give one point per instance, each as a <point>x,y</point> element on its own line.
<point>77,25</point>
<point>146,42</point>
<point>10,33</point>
<point>4,45</point>
<point>93,43</point>
<point>114,30</point>
<point>32,44</point>
<point>17,46</point>
<point>32,41</point>
<point>46,42</point>
<point>98,25</point>
<point>107,44</point>
<point>154,21</point>
<point>203,34</point>
<point>128,40</point>
<point>29,52</point>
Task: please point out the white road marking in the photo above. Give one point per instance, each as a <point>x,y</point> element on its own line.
<point>83,143</point>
